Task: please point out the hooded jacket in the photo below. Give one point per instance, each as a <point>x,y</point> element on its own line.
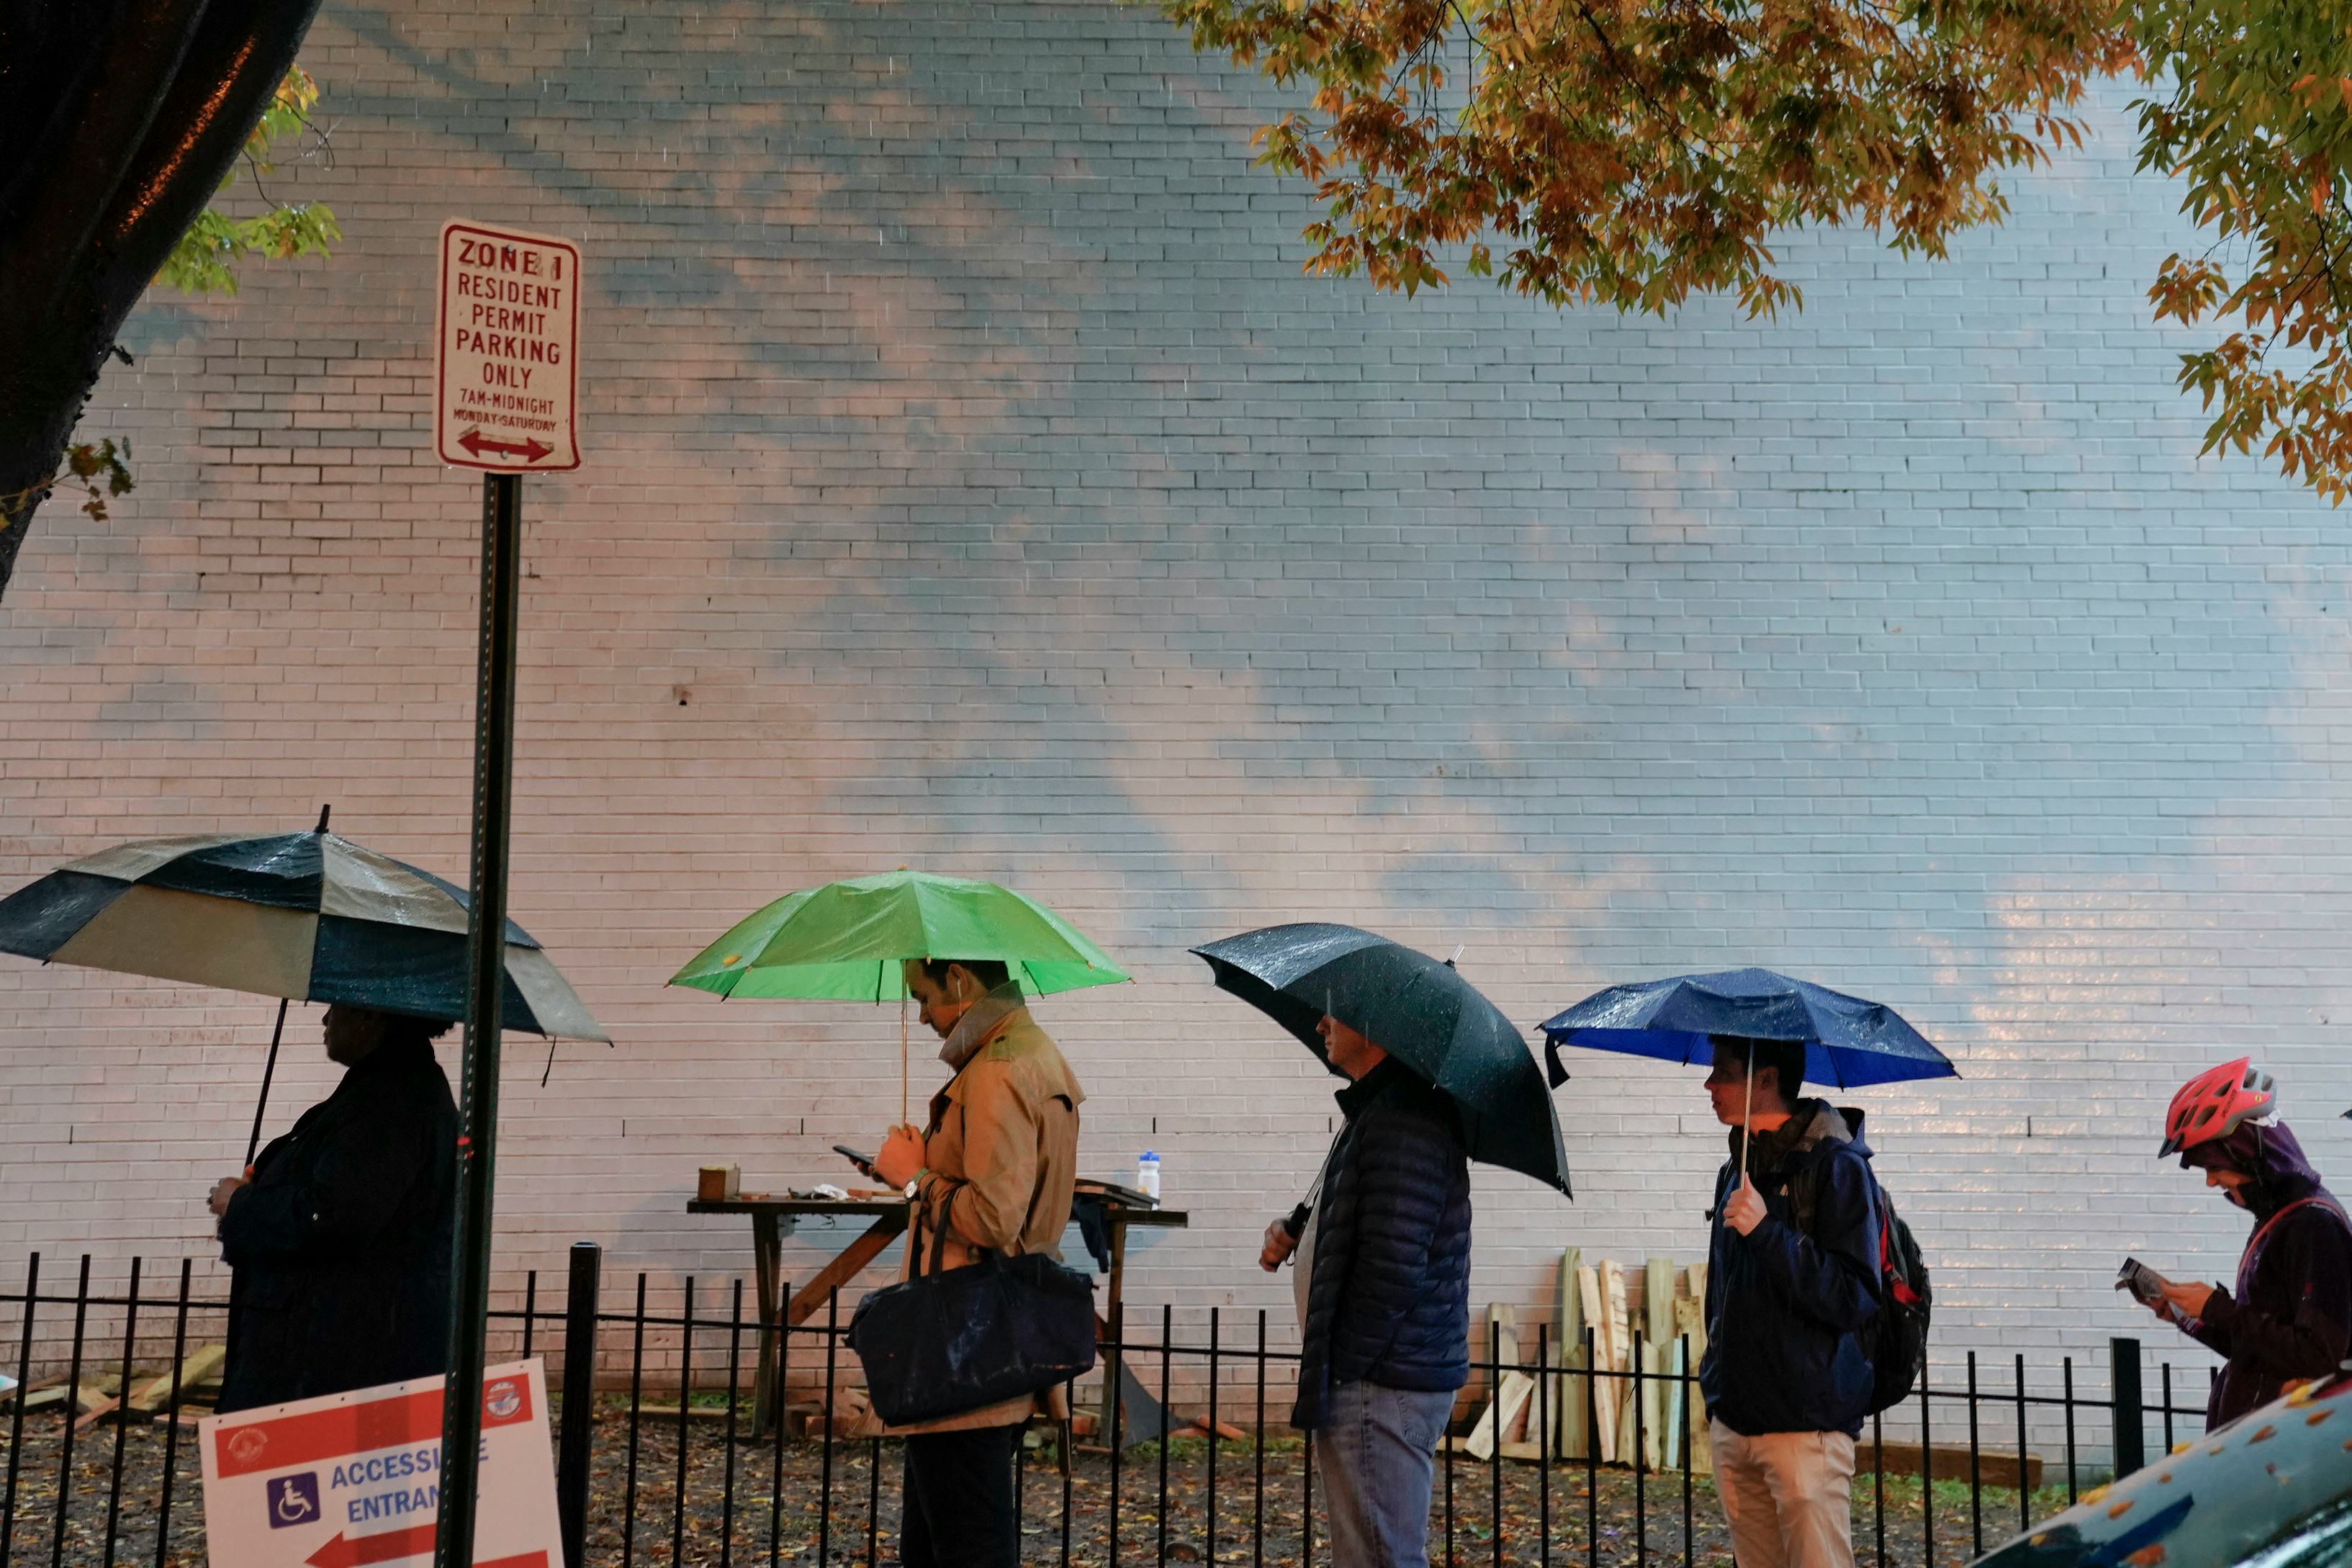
<point>1390,1300</point>
<point>1787,1304</point>
<point>2290,1315</point>
<point>338,1247</point>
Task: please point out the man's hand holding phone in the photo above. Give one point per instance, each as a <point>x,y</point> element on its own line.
<point>901,1157</point>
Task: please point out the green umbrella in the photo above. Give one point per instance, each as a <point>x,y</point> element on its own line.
<point>847,941</point>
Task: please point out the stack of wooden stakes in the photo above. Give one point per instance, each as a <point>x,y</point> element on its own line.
<point>1653,1312</point>
<point>100,1395</point>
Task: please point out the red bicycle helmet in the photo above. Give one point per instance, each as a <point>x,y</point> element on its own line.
<point>2212,1105</point>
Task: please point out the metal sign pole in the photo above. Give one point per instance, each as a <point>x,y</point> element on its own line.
<point>461,1418</point>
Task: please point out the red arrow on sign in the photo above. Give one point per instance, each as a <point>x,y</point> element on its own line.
<point>352,1550</point>
<point>531,451</point>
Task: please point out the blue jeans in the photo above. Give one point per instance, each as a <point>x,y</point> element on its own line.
<point>1376,1455</point>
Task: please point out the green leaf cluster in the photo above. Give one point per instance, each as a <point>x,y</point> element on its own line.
<point>2258,123</point>
<point>205,259</point>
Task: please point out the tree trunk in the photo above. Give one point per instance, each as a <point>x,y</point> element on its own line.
<point>119,118</point>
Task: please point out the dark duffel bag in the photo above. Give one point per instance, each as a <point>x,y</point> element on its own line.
<point>956,1340</point>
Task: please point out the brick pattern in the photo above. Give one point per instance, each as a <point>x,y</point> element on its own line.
<point>974,481</point>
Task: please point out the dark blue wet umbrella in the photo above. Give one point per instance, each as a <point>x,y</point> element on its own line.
<point>1848,1042</point>
<point>1418,1009</point>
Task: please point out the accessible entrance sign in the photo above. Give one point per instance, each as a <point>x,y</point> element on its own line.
<point>353,1479</point>
<point>505,378</point>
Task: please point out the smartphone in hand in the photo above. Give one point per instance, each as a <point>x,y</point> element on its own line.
<point>2147,1287</point>
<point>2143,1282</point>
<point>865,1162</point>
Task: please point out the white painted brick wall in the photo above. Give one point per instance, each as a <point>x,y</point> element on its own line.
<point>976,482</point>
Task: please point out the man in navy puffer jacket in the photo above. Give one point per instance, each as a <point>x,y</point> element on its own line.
<point>1385,1306</point>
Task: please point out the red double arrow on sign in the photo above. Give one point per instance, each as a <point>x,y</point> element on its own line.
<point>356,1551</point>
<point>531,451</point>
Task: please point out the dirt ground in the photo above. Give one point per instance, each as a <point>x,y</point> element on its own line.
<point>778,1516</point>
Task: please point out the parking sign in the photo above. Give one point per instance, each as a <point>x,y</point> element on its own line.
<point>506,366</point>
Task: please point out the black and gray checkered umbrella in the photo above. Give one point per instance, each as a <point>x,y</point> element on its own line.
<point>304,917</point>
<point>300,915</point>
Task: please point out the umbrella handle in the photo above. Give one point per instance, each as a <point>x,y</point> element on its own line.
<point>1748,1112</point>
<point>269,1071</point>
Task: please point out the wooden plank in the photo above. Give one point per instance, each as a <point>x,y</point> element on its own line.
<point>1566,1394</point>
<point>94,1414</point>
<point>1622,1304</point>
<point>845,1268</point>
<point>1670,1449</point>
<point>87,1396</point>
<point>1658,1335</point>
<point>200,1365</point>
<point>1506,1406</point>
<point>1596,1317</point>
<point>28,1390</point>
<point>1690,1325</point>
<point>1503,1333</point>
<point>1995,1470</point>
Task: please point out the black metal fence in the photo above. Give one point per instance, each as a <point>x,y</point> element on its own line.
<point>667,1457</point>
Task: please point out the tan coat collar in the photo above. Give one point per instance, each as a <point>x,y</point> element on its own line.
<point>982,1022</point>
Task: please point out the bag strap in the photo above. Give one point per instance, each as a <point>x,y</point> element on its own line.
<point>2263,1230</point>
<point>940,1230</point>
<point>938,1243</point>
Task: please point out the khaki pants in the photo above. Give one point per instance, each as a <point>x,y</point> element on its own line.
<point>1788,1497</point>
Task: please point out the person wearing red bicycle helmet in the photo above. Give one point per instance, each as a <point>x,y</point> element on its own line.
<point>2290,1316</point>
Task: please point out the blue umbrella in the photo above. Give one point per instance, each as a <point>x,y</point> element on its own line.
<point>1848,1042</point>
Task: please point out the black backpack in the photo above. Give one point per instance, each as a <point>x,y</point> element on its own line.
<point>1898,1331</point>
<point>1898,1352</point>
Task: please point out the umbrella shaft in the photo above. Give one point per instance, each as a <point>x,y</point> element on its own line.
<point>1748,1112</point>
<point>268,1071</point>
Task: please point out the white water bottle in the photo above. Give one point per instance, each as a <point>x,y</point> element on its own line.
<point>1146,1175</point>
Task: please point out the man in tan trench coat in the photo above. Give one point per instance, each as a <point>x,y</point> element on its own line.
<point>994,1170</point>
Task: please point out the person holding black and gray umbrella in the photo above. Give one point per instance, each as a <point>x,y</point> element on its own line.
<point>338,1242</point>
<point>338,1233</point>
<point>1437,1077</point>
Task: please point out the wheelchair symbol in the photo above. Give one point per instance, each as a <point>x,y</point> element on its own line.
<point>294,1500</point>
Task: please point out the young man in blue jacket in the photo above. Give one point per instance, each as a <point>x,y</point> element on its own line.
<point>1385,1306</point>
<point>1791,1286</point>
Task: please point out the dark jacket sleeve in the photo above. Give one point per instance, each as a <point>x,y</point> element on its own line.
<point>1402,1169</point>
<point>1831,1274</point>
<point>2309,1341</point>
<point>341,1200</point>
